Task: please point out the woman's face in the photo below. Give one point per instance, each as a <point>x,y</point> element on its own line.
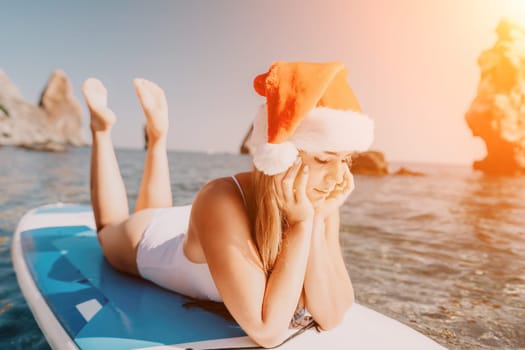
<point>326,170</point>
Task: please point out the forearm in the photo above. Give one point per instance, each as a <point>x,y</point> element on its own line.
<point>285,282</point>
<point>328,289</point>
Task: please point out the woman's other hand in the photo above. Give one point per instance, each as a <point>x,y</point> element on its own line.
<point>338,196</point>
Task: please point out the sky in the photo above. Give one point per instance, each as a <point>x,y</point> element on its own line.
<point>412,64</point>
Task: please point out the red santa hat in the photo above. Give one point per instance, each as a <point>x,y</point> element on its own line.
<point>309,107</point>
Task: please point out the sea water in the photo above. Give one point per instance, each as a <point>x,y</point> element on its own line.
<point>443,253</point>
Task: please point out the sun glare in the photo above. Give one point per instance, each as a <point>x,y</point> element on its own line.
<point>514,10</point>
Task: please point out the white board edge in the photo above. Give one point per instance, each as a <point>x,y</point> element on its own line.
<point>54,332</point>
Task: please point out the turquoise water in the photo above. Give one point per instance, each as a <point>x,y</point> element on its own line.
<point>444,253</point>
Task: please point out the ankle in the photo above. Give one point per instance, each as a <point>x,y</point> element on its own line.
<point>96,132</point>
<point>157,137</point>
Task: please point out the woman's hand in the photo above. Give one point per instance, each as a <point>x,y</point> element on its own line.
<point>337,197</point>
<point>290,187</point>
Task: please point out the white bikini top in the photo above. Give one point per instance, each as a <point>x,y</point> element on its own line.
<point>240,190</point>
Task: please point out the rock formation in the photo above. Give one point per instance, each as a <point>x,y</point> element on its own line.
<point>146,139</point>
<point>55,123</point>
<point>497,114</point>
<point>407,172</point>
<point>369,163</point>
<point>63,109</point>
<point>246,145</point>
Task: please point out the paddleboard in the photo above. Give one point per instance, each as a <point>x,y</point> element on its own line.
<point>80,302</point>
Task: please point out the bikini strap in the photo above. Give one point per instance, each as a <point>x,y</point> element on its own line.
<point>240,190</point>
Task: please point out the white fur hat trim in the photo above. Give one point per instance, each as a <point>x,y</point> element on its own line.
<point>326,129</point>
<point>323,129</point>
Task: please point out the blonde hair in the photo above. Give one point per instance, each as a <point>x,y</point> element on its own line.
<point>269,223</point>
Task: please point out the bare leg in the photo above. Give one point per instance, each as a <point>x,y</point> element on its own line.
<point>108,194</point>
<point>155,187</point>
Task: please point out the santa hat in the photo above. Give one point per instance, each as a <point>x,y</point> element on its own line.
<point>309,107</point>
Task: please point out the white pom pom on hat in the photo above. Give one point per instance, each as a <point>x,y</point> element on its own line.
<point>273,158</point>
<point>309,106</point>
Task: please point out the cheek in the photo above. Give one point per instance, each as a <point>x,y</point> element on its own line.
<point>313,195</point>
<point>314,181</point>
<point>317,177</point>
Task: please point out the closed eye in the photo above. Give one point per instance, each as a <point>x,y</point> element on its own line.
<point>347,160</point>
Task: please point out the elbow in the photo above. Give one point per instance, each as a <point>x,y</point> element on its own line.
<point>268,340</point>
<point>337,316</point>
<point>269,343</point>
<point>330,322</point>
<point>267,336</point>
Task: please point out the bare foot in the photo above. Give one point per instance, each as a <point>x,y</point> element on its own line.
<point>155,107</point>
<point>96,95</point>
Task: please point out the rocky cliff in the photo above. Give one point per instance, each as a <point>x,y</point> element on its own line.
<point>497,114</point>
<point>369,163</point>
<point>51,125</point>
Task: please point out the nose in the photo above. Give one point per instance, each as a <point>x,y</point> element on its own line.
<point>336,173</point>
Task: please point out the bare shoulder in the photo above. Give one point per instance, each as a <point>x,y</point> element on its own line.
<point>218,207</point>
<point>222,225</point>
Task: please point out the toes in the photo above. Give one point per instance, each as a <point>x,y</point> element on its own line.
<point>94,92</point>
<point>142,91</point>
<point>142,85</point>
<point>150,94</point>
<point>93,85</point>
<point>138,83</point>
